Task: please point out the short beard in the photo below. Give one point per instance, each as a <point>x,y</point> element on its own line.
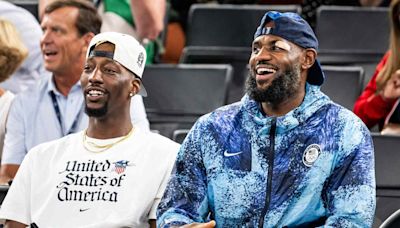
<point>99,112</point>
<point>282,88</point>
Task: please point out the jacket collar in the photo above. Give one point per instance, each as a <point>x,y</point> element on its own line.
<point>313,101</point>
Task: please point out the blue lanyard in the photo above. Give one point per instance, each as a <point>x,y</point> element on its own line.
<point>58,114</point>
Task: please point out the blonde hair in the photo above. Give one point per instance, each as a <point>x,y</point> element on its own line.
<point>393,61</point>
<point>12,50</point>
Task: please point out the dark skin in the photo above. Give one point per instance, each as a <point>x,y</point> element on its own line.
<point>274,50</point>
<point>274,54</point>
<point>100,72</point>
<point>116,84</point>
<point>14,224</point>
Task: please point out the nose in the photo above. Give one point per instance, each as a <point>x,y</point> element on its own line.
<point>95,76</point>
<point>46,37</point>
<point>262,55</point>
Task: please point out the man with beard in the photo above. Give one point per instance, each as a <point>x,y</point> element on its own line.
<point>284,156</point>
<point>112,174</point>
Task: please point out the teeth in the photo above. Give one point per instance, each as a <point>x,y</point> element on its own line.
<point>95,93</point>
<point>50,52</point>
<point>263,70</point>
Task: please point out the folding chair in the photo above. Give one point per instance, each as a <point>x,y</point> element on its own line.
<point>179,135</point>
<point>3,192</point>
<point>393,221</point>
<point>223,34</point>
<point>387,169</point>
<point>227,25</point>
<point>350,35</point>
<point>179,94</point>
<point>343,84</point>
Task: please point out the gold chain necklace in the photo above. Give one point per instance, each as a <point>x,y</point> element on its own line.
<point>102,148</point>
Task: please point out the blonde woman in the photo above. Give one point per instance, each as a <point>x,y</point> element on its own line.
<point>378,104</point>
<point>12,53</point>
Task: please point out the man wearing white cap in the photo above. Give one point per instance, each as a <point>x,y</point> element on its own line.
<point>53,107</point>
<point>103,176</point>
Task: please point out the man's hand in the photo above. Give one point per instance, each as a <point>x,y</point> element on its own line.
<point>7,173</point>
<point>391,91</point>
<point>149,18</point>
<point>14,224</point>
<point>209,224</point>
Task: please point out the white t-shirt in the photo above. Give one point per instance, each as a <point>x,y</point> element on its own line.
<point>61,184</point>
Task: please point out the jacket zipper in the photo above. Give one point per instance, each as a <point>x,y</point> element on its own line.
<point>271,156</point>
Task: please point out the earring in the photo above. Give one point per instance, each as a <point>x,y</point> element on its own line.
<point>131,94</point>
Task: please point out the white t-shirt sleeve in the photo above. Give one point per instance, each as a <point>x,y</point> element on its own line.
<point>138,113</point>
<point>163,186</point>
<point>16,206</point>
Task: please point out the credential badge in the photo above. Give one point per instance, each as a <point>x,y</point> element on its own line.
<point>311,154</point>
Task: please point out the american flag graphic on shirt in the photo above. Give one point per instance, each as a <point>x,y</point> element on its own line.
<point>120,166</point>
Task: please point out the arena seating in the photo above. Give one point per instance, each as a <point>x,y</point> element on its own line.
<point>352,36</point>
<point>211,39</point>
<point>3,192</point>
<point>179,94</point>
<point>179,135</point>
<point>387,169</point>
<point>343,84</point>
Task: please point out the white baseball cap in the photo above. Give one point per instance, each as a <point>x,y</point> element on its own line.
<point>128,52</point>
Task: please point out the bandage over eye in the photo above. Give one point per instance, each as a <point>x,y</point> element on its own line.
<point>283,45</point>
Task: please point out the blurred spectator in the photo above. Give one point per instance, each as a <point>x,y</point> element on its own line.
<point>143,19</point>
<point>29,29</point>
<point>378,104</point>
<point>12,53</point>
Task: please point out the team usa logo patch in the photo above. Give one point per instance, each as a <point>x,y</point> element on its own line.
<point>120,166</point>
<point>311,154</point>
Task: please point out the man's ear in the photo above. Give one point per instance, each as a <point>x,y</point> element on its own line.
<point>135,86</point>
<point>86,39</point>
<point>309,58</point>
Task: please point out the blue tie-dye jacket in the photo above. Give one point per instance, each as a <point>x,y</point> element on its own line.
<point>224,169</point>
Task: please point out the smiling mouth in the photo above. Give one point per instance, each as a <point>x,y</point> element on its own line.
<point>49,53</point>
<point>264,71</point>
<point>95,93</point>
